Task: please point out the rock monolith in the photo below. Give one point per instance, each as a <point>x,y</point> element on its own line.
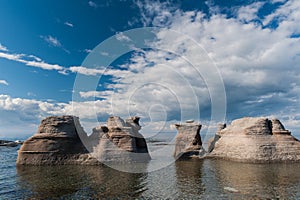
<point>188,142</point>
<point>256,140</point>
<point>121,142</point>
<point>57,142</point>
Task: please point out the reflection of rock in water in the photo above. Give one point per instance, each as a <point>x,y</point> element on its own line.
<point>79,182</point>
<point>258,181</point>
<point>189,173</point>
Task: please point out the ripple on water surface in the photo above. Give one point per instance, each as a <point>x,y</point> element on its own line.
<point>189,179</point>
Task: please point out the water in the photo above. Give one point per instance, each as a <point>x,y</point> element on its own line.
<point>192,179</point>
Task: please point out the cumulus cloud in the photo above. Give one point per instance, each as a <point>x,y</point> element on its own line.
<point>28,112</point>
<point>253,60</point>
<point>4,82</point>
<point>258,62</point>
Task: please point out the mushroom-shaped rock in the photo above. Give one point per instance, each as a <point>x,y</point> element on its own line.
<point>257,140</point>
<point>188,141</point>
<point>122,142</point>
<point>57,141</point>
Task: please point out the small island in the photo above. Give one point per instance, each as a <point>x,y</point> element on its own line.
<point>61,140</point>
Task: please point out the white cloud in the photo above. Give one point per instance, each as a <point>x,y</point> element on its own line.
<point>4,82</point>
<point>249,12</point>
<point>92,4</point>
<point>88,50</point>
<point>69,24</point>
<point>122,37</point>
<point>37,62</point>
<point>52,41</point>
<point>259,66</point>
<point>98,94</point>
<point>86,71</point>
<point>254,62</point>
<point>3,48</point>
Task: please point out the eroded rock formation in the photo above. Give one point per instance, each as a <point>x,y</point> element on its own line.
<point>57,141</point>
<point>121,142</point>
<point>257,140</point>
<point>212,141</point>
<point>62,140</point>
<point>188,140</point>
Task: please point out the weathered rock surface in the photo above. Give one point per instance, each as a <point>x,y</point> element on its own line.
<point>57,141</point>
<point>212,141</point>
<point>121,142</point>
<point>256,140</point>
<point>188,141</point>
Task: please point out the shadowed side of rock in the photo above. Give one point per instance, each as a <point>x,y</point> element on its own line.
<point>122,142</point>
<point>212,141</point>
<point>188,142</point>
<point>57,141</point>
<point>256,140</point>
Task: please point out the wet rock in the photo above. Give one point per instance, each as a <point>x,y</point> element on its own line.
<point>257,140</point>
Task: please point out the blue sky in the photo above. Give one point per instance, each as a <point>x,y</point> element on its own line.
<point>206,60</point>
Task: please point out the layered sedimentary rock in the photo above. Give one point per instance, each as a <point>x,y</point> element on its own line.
<point>121,142</point>
<point>256,140</point>
<point>188,141</point>
<point>57,141</point>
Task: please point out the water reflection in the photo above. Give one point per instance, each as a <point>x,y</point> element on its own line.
<point>79,182</point>
<point>189,173</point>
<point>186,179</point>
<point>263,181</point>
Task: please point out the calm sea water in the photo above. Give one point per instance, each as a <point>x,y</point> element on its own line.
<point>193,179</point>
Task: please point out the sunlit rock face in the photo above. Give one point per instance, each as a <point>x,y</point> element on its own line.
<point>57,141</point>
<point>256,140</point>
<point>188,142</point>
<point>122,142</point>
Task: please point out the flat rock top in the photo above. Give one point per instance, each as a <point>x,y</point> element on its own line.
<point>66,125</point>
<point>253,126</point>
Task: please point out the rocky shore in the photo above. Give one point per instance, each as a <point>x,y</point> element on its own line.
<point>9,143</point>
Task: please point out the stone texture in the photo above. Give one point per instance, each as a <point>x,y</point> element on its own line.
<point>256,140</point>
<point>57,141</point>
<point>188,141</point>
<point>122,142</point>
<point>212,141</point>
